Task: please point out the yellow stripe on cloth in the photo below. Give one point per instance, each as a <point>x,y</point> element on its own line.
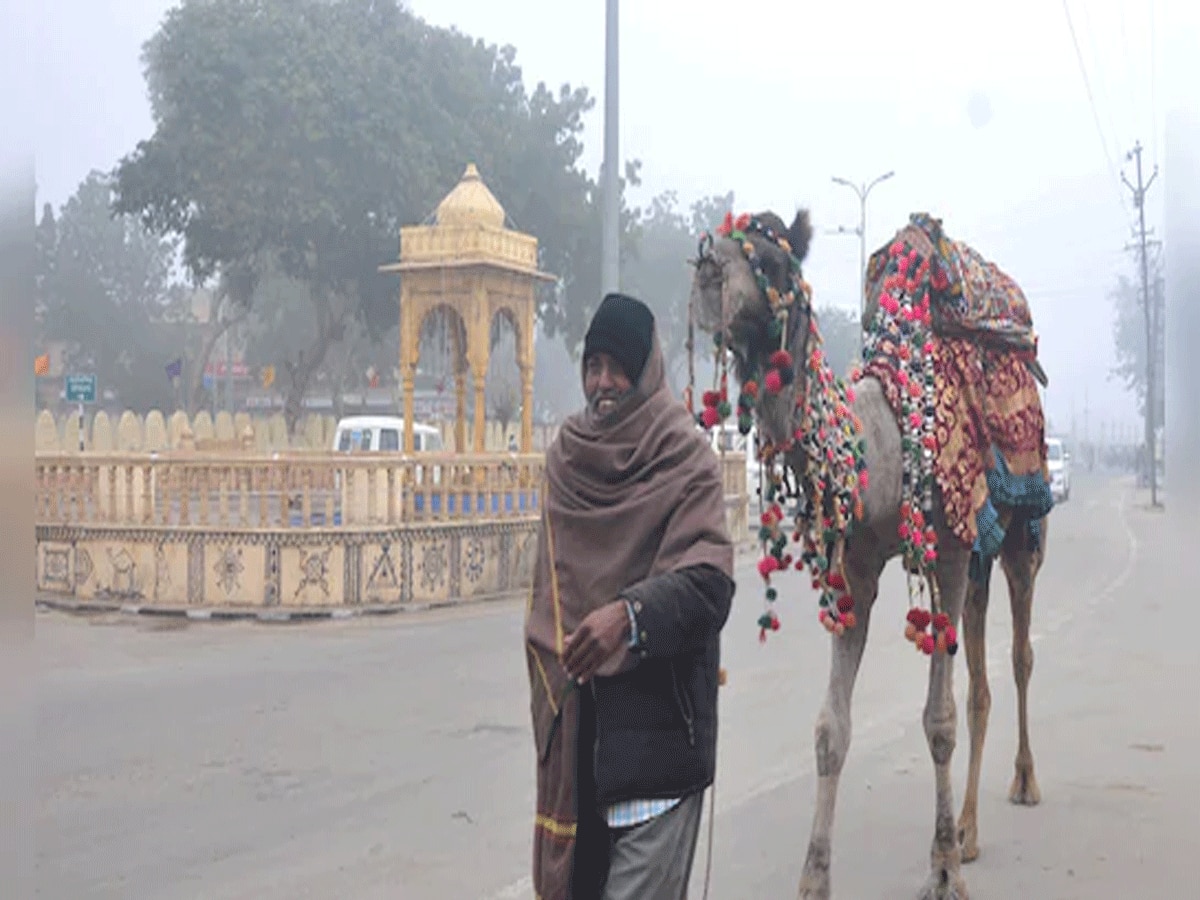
<point>556,828</point>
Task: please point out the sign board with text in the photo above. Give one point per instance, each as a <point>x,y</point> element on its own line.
<point>81,388</point>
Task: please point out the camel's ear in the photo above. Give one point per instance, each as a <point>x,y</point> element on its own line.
<point>800,234</point>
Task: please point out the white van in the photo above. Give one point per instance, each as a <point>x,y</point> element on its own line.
<point>383,434</point>
<point>1058,461</point>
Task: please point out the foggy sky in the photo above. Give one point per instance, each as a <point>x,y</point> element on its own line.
<point>982,113</point>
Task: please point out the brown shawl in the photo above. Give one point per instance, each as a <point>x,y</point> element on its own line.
<point>633,494</point>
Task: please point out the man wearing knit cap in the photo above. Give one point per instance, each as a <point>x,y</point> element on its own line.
<point>632,586</point>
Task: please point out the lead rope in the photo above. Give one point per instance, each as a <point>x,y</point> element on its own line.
<point>712,819</point>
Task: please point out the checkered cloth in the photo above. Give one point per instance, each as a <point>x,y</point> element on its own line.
<point>635,812</point>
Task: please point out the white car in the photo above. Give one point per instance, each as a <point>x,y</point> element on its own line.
<point>1058,461</point>
<point>383,434</point>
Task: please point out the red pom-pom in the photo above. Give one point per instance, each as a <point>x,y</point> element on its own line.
<point>710,398</point>
<point>750,388</point>
<point>927,644</point>
<point>741,222</point>
<point>845,603</point>
<point>951,635</point>
<point>710,416</point>
<point>836,581</point>
<point>781,359</point>
<point>941,622</point>
<point>726,225</point>
<point>773,382</point>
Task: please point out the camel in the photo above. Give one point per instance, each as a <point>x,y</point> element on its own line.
<point>739,279</point>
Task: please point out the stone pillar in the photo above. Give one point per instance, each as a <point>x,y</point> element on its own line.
<point>480,411</point>
<point>407,376</point>
<point>460,411</point>
<point>526,409</point>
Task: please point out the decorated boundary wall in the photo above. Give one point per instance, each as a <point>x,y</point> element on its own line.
<point>294,531</point>
<point>132,433</point>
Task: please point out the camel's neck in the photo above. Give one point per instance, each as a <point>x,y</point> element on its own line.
<point>780,414</point>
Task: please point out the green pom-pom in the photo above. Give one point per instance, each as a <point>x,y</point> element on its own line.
<point>764,533</point>
<point>745,423</point>
<point>724,409</point>
<point>764,621</point>
<point>823,563</point>
<point>772,594</point>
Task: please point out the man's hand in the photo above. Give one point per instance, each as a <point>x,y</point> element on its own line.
<point>598,637</point>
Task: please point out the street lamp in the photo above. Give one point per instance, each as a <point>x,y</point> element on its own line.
<point>611,237</point>
<point>862,191</point>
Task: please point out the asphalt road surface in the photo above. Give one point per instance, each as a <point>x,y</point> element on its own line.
<point>392,758</point>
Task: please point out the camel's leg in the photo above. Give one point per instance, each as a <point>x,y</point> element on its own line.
<point>940,720</point>
<point>1021,564</point>
<point>979,704</point>
<point>833,727</point>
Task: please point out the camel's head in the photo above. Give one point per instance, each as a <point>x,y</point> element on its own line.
<point>730,286</point>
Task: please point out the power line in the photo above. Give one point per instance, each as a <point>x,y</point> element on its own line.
<point>1087,84</point>
<point>1154,81</point>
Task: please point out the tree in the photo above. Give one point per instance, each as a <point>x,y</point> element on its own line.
<point>104,289</point>
<point>1130,335</point>
<point>663,239</point>
<point>299,135</point>
<point>841,331</point>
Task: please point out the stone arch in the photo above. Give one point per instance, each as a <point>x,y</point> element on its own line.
<point>505,400</point>
<point>442,320</point>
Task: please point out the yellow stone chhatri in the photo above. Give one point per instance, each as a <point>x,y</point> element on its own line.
<point>471,203</point>
<point>468,268</point>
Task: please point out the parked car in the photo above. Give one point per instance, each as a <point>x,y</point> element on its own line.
<point>1058,461</point>
<point>383,434</point>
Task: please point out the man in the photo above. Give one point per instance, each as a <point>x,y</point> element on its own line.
<point>633,585</point>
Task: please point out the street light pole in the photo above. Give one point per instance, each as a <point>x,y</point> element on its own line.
<point>610,273</point>
<point>862,191</point>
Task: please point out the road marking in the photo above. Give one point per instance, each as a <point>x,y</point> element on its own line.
<point>1054,623</point>
<point>869,733</point>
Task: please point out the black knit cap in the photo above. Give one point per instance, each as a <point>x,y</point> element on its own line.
<point>622,327</point>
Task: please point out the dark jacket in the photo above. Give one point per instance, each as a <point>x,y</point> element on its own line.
<point>656,725</point>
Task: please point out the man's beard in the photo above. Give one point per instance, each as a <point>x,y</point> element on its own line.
<point>604,403</point>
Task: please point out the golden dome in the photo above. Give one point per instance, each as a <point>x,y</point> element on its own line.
<point>471,203</point>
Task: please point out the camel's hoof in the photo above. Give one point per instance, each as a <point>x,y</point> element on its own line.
<point>968,843</point>
<point>945,885</point>
<point>1024,790</point>
<point>814,886</point>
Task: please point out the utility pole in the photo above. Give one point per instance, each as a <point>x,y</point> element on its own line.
<point>1139,199</point>
<point>861,190</point>
<point>610,273</point>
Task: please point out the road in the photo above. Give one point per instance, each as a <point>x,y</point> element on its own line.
<point>391,758</point>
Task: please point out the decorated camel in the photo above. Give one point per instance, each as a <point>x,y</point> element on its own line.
<point>932,451</point>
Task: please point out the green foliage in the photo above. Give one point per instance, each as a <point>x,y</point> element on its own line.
<point>657,271</point>
<point>1130,333</point>
<point>298,136</point>
<point>104,289</point>
<point>842,333</point>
